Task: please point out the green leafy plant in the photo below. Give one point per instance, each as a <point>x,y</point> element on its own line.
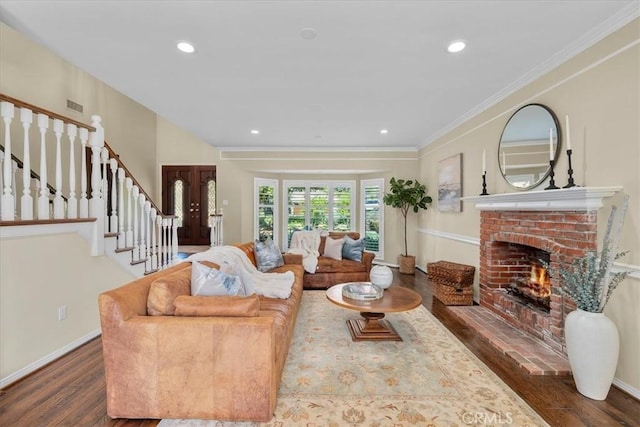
<point>407,195</point>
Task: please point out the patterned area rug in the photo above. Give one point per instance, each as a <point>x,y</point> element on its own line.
<point>429,379</point>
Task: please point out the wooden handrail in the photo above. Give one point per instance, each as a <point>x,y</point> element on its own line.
<point>114,155</point>
<point>51,114</point>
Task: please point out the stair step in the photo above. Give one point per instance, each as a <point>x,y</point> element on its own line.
<point>110,234</point>
<point>124,250</point>
<point>140,261</point>
<point>151,271</point>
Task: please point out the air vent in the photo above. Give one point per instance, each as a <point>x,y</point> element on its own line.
<point>74,106</point>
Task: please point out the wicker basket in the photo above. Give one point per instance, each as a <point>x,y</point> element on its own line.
<point>451,274</point>
<point>452,296</point>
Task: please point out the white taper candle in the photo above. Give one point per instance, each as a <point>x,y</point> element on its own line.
<point>566,121</point>
<point>550,143</point>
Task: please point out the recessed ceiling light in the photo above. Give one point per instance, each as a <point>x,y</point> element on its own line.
<point>255,131</point>
<point>308,33</point>
<point>384,131</point>
<point>456,46</point>
<point>186,47</point>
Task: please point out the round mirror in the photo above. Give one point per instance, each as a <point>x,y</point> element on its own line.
<point>529,140</point>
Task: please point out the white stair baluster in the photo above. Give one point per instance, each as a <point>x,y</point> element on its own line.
<point>14,191</point>
<point>143,226</point>
<point>72,201</point>
<point>58,202</point>
<point>174,240</point>
<point>129,234</point>
<point>135,193</point>
<point>104,162</point>
<point>1,175</point>
<point>165,243</point>
<point>154,249</point>
<point>83,205</point>
<point>96,204</point>
<point>121,236</point>
<point>147,223</point>
<point>113,164</point>
<point>26,202</point>
<point>8,200</point>
<point>43,199</point>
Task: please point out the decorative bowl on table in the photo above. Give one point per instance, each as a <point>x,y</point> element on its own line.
<point>362,291</point>
<point>381,276</point>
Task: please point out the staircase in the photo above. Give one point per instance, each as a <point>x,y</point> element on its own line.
<point>112,210</point>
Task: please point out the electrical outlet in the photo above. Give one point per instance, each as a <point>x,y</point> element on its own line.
<point>62,312</point>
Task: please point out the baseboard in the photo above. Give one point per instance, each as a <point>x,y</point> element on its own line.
<point>627,388</point>
<point>21,373</point>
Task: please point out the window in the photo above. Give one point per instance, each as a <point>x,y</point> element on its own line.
<point>371,215</point>
<point>323,205</point>
<point>266,214</point>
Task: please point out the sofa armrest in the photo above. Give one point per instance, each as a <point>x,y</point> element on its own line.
<point>295,259</point>
<point>367,259</point>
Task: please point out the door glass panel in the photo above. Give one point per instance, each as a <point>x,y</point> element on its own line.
<point>265,221</point>
<point>177,201</point>
<point>211,198</point>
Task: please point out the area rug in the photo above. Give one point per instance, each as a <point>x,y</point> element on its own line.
<point>429,379</point>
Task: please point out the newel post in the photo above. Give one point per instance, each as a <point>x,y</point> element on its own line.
<point>96,203</point>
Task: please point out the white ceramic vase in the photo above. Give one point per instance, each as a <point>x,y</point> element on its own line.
<point>381,275</point>
<point>592,346</point>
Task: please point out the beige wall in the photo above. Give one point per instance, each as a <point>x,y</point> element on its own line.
<point>36,278</point>
<point>600,91</point>
<point>34,74</point>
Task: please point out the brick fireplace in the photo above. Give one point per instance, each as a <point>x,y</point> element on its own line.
<point>510,242</point>
<point>519,229</point>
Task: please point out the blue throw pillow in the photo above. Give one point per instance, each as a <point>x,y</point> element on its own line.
<point>206,281</point>
<point>352,249</point>
<point>268,255</point>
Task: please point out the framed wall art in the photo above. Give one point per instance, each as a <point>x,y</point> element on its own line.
<point>450,184</point>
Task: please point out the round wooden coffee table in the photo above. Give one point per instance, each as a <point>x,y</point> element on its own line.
<point>372,326</point>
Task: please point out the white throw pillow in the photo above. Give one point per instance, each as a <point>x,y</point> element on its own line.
<point>206,281</point>
<point>333,248</point>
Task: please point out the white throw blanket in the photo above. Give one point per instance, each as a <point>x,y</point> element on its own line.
<point>306,243</point>
<point>234,261</point>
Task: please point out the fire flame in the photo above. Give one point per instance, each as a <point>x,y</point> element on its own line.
<point>539,281</point>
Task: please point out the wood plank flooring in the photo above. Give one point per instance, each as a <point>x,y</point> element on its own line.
<point>71,390</point>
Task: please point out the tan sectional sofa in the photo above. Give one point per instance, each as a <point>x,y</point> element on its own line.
<point>331,271</point>
<point>224,367</point>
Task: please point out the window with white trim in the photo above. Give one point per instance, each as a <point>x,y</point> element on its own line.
<point>266,212</point>
<point>371,215</point>
<point>325,205</point>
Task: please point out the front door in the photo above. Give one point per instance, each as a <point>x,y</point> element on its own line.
<point>189,193</point>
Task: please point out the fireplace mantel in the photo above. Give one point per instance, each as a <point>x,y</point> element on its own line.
<point>564,199</point>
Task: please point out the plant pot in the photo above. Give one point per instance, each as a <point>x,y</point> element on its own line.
<point>592,346</point>
<point>407,264</point>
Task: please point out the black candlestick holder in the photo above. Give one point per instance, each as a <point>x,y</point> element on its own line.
<point>570,171</point>
<point>552,182</point>
<point>484,185</point>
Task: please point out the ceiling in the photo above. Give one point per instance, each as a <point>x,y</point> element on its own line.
<point>373,64</point>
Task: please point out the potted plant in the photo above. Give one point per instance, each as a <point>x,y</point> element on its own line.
<point>590,336</point>
<point>407,195</point>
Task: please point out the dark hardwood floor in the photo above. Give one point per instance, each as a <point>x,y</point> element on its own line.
<point>71,391</point>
